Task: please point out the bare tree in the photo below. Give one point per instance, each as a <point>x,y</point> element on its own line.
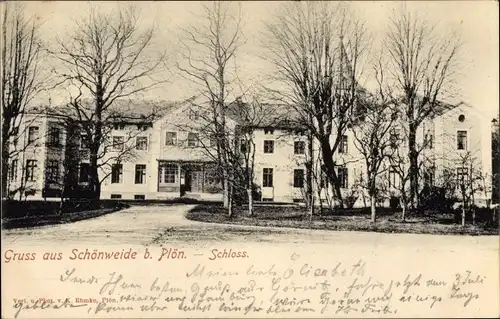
<point>469,180</point>
<point>372,136</point>
<point>317,49</point>
<point>107,58</point>
<point>398,171</point>
<point>209,50</point>
<point>423,64</point>
<point>22,54</point>
<point>495,144</point>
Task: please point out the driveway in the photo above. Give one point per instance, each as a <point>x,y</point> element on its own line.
<point>157,225</point>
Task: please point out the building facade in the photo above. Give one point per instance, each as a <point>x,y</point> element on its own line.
<point>173,156</point>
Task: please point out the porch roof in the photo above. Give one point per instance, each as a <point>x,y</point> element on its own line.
<point>183,161</point>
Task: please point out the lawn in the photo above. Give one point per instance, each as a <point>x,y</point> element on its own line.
<point>21,214</point>
<point>388,221</point>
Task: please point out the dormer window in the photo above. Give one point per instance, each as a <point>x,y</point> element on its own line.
<point>268,131</point>
<point>119,126</point>
<point>193,115</point>
<point>142,127</point>
<point>299,132</point>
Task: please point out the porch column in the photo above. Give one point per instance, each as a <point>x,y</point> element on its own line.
<point>158,176</point>
<point>179,174</point>
<point>203,177</point>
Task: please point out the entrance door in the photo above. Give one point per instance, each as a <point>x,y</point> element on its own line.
<point>187,180</point>
<point>196,181</point>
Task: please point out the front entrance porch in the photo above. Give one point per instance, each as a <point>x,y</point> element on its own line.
<point>189,179</point>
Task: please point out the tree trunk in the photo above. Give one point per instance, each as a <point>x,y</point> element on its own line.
<point>94,184</point>
<point>250,202</point>
<point>310,179</point>
<point>311,209</point>
<point>5,158</point>
<point>226,191</point>
<point>373,208</point>
<point>463,214</point>
<point>230,202</point>
<point>403,209</point>
<point>413,157</point>
<point>330,170</point>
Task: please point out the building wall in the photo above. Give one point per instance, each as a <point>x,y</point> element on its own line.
<point>282,160</point>
<point>127,188</point>
<point>36,150</point>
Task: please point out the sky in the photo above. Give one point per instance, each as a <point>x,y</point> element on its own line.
<point>476,21</point>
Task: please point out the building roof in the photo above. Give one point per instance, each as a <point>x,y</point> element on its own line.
<point>121,109</point>
<point>262,115</point>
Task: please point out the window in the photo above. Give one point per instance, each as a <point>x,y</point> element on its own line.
<point>267,178</point>
<point>116,173</point>
<point>52,171</point>
<point>268,146</point>
<point>211,177</point>
<point>83,176</point>
<point>461,118</point>
<point>141,143</point>
<point>54,136</point>
<point>462,140</point>
<point>140,173</point>
<point>243,146</point>
<point>462,173</point>
<point>323,179</point>
<point>119,126</point>
<point>429,177</point>
<point>342,176</point>
<point>193,115</point>
<point>140,197</point>
<point>169,173</point>
<point>32,134</point>
<point>429,140</point>
<point>298,178</point>
<point>213,141</point>
<point>192,139</point>
<point>13,170</point>
<point>393,177</point>
<point>299,147</point>
<point>394,138</point>
<point>116,196</point>
<point>117,143</point>
<point>143,127</point>
<point>268,131</point>
<point>170,138</point>
<point>343,145</point>
<point>83,140</point>
<point>30,170</point>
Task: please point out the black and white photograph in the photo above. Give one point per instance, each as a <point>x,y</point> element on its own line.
<point>250,159</point>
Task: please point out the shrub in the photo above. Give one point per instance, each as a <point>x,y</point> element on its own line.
<point>240,195</point>
<point>435,199</point>
<point>483,214</point>
<point>394,202</point>
<point>350,201</point>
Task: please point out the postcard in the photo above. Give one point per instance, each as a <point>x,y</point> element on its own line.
<point>250,159</point>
